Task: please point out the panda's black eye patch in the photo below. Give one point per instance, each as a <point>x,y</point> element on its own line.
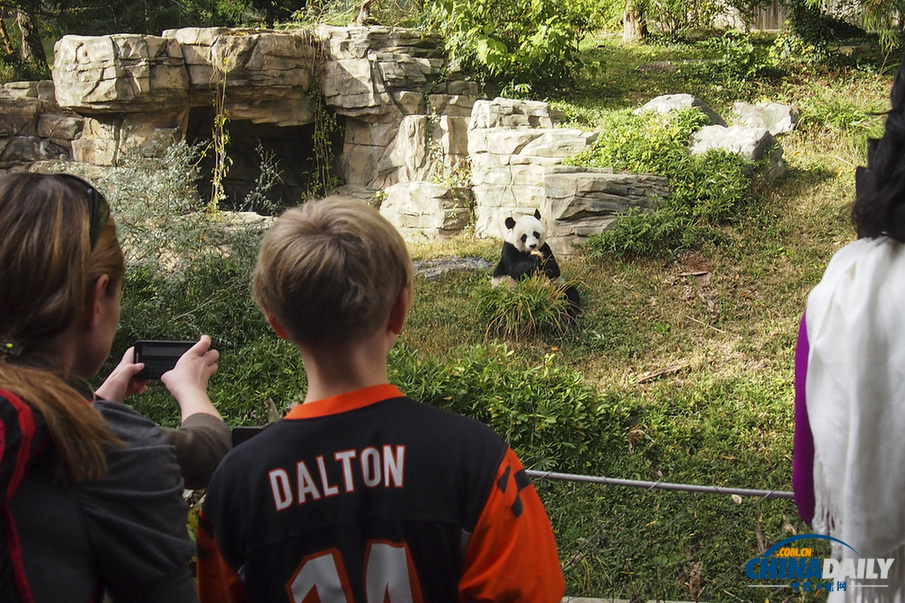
<point>524,238</point>
<point>536,235</point>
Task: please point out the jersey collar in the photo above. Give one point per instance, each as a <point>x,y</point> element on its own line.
<point>345,402</point>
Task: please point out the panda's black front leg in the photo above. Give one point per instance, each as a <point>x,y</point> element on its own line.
<point>548,262</point>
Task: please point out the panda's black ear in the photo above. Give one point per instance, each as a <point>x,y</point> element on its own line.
<point>510,223</point>
<point>537,214</point>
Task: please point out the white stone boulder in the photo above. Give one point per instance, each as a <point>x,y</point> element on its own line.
<point>750,143</point>
<point>426,209</point>
<point>581,202</point>
<point>668,103</point>
<point>777,118</point>
<point>510,113</point>
<point>510,145</point>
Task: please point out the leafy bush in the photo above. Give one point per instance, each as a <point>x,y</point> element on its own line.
<point>819,25</point>
<point>188,271</point>
<point>529,308</point>
<point>792,50</point>
<point>645,143</point>
<point>257,379</point>
<point>705,189</point>
<point>677,17</point>
<point>518,43</point>
<point>211,296</point>
<point>14,69</point>
<point>545,412</point>
<point>155,202</point>
<point>739,59</point>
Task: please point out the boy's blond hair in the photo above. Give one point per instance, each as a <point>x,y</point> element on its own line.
<point>330,271</point>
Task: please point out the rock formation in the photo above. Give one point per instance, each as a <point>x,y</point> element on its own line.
<point>411,135</point>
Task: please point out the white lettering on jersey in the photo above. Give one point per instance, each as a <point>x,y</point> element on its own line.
<point>388,573</point>
<point>375,467</point>
<point>322,575</point>
<point>390,576</point>
<point>393,467</point>
<point>370,467</point>
<point>322,469</point>
<point>279,484</point>
<point>306,483</point>
<point>345,458</point>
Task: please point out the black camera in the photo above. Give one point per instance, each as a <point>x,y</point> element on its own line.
<point>245,433</point>
<point>159,356</point>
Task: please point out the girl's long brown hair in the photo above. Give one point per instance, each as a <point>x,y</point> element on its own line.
<point>47,269</point>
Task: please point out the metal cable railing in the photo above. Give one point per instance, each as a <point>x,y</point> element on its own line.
<point>611,481</point>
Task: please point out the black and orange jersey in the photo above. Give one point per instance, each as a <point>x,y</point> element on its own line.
<point>371,496</point>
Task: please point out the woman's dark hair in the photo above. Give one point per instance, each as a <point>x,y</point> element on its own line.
<point>879,207</point>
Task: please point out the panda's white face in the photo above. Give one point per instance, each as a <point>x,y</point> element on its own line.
<point>527,233</point>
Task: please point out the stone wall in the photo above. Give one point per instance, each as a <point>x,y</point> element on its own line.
<point>511,143</point>
<point>33,127</point>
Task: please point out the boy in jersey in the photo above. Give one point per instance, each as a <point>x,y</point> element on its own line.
<point>359,493</point>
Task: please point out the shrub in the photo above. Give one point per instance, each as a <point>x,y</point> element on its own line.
<point>188,271</point>
<point>14,69</point>
<point>519,43</point>
<point>794,51</point>
<point>705,189</point>
<point>530,308</point>
<point>739,59</point>
<point>545,411</point>
<point>154,200</point>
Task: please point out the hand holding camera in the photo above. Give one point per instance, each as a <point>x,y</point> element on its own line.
<point>187,380</point>
<point>184,367</point>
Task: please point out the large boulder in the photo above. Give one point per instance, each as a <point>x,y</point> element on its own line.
<point>424,209</point>
<point>776,118</point>
<point>123,72</point>
<point>581,202</point>
<point>750,143</point>
<point>511,113</point>
<point>33,128</point>
<point>668,103</point>
<point>510,145</point>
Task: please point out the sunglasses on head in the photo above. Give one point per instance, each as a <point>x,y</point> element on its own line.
<point>98,209</point>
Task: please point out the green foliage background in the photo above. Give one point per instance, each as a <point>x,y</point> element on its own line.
<point>518,43</point>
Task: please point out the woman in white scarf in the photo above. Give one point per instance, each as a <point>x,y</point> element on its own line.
<point>850,377</point>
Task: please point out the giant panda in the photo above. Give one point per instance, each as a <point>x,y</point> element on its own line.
<point>526,252</point>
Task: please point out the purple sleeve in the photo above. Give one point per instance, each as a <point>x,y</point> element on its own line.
<point>803,446</point>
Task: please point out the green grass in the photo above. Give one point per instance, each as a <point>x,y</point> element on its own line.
<point>679,369</point>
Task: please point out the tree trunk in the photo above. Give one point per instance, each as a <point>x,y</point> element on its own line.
<point>32,46</point>
<point>4,34</point>
<point>364,13</point>
<point>634,22</point>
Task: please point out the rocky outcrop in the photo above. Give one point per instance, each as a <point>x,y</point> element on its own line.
<point>676,102</point>
<point>751,143</point>
<point>427,210</point>
<point>581,202</point>
<point>415,138</point>
<point>405,114</point>
<point>511,143</point>
<point>776,118</point>
<point>379,79</point>
<point>33,127</point>
<point>751,137</point>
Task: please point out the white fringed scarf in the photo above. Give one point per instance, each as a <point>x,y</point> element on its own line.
<point>855,392</point>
